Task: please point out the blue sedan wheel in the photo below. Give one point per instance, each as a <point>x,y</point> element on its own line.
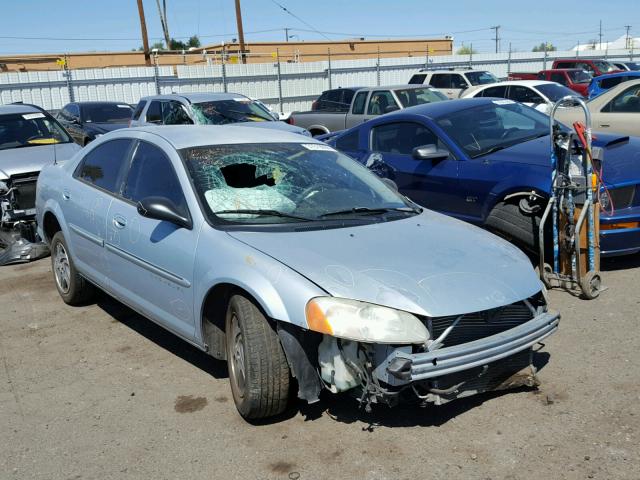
<point>72,287</point>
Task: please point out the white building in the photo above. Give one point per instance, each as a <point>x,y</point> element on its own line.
<point>623,43</point>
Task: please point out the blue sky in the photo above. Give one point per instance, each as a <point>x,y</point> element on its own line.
<point>99,25</point>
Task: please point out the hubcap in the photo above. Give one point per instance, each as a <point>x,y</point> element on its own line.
<point>237,356</point>
<point>61,268</point>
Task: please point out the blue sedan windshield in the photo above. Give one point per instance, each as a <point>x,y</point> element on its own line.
<point>489,127</point>
<point>286,182</point>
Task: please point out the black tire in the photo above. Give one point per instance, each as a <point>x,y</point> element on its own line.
<point>509,221</point>
<point>72,287</point>
<point>258,369</point>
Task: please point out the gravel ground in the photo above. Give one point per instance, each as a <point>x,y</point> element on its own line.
<point>98,392</point>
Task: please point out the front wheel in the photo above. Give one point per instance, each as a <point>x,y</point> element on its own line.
<point>258,369</point>
<point>72,287</point>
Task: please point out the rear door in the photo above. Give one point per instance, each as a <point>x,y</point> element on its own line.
<point>152,261</point>
<point>432,184</point>
<point>358,106</point>
<point>86,201</point>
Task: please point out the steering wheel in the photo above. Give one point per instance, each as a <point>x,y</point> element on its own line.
<point>508,132</point>
<point>313,189</point>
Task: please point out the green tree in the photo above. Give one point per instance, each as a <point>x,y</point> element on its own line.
<point>549,47</point>
<point>465,50</point>
<point>193,42</point>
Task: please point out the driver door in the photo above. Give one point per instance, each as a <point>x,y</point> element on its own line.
<point>152,261</point>
<point>430,183</point>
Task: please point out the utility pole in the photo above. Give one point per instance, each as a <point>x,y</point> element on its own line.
<point>145,39</point>
<point>600,35</point>
<point>240,30</point>
<point>286,34</point>
<point>626,43</point>
<point>162,11</point>
<point>497,38</point>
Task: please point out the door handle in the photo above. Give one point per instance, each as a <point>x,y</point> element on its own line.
<point>119,221</point>
<point>66,195</point>
<point>604,125</point>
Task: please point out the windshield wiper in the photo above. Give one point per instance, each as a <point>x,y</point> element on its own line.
<point>497,148</point>
<point>371,211</point>
<point>265,212</point>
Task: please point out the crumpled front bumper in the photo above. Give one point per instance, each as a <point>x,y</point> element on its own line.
<point>15,248</point>
<point>404,367</point>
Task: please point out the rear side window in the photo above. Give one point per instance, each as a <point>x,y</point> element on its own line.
<point>559,78</point>
<point>564,65</point>
<point>152,175</point>
<point>347,96</point>
<point>154,112</point>
<point>402,137</point>
<point>103,165</point>
<point>418,79</point>
<point>359,103</point>
<point>441,80</point>
<point>612,82</point>
<point>138,110</point>
<point>348,142</point>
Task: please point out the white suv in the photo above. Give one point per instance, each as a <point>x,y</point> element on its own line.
<point>452,82</point>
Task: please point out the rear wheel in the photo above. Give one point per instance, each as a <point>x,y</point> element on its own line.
<point>258,369</point>
<point>72,287</point>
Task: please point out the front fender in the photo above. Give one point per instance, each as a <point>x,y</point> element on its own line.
<point>507,187</point>
<point>280,291</point>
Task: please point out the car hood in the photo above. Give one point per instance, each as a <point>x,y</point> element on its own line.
<point>621,155</point>
<point>429,264</point>
<point>15,161</point>
<point>275,125</point>
<point>102,128</point>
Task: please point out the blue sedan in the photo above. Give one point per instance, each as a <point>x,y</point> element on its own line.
<point>487,161</point>
<point>601,84</point>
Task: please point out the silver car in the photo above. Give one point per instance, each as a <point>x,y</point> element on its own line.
<point>289,259</point>
<point>208,109</point>
<point>29,139</point>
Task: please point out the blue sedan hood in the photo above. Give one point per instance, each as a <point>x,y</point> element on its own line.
<point>621,156</point>
<point>429,264</point>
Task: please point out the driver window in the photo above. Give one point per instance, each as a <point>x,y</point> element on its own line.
<point>174,113</point>
<point>522,94</point>
<point>401,138</point>
<point>626,102</point>
<point>152,175</point>
<point>380,102</point>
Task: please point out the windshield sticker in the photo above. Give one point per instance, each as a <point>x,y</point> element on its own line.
<point>503,102</point>
<point>123,106</point>
<point>31,116</point>
<point>317,146</point>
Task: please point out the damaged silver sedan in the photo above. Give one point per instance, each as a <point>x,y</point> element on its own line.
<point>290,260</point>
<point>29,139</point>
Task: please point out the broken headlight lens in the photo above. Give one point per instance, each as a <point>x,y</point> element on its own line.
<point>364,322</point>
<point>3,187</point>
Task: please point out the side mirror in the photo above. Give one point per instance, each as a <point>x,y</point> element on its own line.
<point>429,152</point>
<point>391,108</point>
<point>161,208</point>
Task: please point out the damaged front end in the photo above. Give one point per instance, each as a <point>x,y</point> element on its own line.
<point>464,355</point>
<point>19,241</point>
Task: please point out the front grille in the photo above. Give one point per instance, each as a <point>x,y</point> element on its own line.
<point>622,197</point>
<point>474,326</point>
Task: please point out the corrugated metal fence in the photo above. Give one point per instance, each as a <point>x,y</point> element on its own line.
<point>283,86</point>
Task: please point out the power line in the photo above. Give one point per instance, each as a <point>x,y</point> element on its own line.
<point>284,9</point>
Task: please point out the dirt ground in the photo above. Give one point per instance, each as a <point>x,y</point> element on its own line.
<point>98,392</point>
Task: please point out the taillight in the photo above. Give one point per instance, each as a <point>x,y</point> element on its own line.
<point>314,105</point>
<point>290,120</point>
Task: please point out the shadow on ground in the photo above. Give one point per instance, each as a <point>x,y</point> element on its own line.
<point>624,262</point>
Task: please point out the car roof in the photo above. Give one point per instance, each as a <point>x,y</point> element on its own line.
<point>197,97</point>
<point>18,108</point>
<point>403,86</point>
<point>438,109</point>
<point>446,70</point>
<point>524,83</point>
<point>618,74</point>
<point>97,103</point>
<point>613,91</point>
<point>185,136</point>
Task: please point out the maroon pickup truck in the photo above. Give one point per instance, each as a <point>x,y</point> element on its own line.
<point>574,78</point>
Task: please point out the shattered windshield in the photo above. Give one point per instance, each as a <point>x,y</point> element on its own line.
<point>20,130</point>
<point>288,182</point>
<point>234,110</point>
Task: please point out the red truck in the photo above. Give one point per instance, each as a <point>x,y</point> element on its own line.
<point>574,78</point>
<point>574,73</point>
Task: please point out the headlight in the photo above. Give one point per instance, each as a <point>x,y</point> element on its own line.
<point>364,322</point>
<point>3,187</point>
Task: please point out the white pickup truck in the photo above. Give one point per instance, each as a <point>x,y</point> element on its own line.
<point>365,103</point>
